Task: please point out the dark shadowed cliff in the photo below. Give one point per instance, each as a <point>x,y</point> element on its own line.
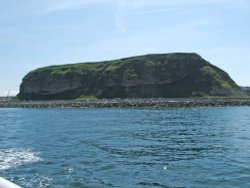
<point>246,89</point>
<point>159,75</point>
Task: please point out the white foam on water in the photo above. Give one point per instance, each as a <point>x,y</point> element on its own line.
<point>36,180</point>
<point>10,158</point>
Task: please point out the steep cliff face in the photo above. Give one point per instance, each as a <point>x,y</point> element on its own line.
<point>160,75</point>
<point>246,89</point>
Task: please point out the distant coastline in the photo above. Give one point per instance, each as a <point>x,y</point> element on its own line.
<point>129,103</point>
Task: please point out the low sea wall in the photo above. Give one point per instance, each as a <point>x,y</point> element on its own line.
<point>127,103</point>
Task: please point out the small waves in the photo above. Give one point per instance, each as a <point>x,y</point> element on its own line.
<point>11,158</point>
<point>36,180</point>
<point>200,147</point>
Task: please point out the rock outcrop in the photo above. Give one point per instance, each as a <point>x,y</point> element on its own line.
<point>157,75</point>
<point>246,89</point>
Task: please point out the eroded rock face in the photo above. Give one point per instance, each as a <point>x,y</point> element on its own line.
<point>160,75</point>
<point>246,89</point>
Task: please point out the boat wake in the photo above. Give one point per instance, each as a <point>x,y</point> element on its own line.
<point>10,158</point>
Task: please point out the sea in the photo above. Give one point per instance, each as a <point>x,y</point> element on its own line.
<point>112,147</point>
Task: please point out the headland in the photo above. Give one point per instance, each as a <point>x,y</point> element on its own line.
<point>175,75</point>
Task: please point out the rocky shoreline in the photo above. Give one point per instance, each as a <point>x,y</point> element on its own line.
<point>128,103</point>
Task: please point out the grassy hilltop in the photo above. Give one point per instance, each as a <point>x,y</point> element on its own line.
<point>155,75</point>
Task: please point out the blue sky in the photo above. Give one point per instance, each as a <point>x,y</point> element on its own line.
<point>40,33</point>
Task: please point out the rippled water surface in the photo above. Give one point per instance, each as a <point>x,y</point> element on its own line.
<point>193,147</point>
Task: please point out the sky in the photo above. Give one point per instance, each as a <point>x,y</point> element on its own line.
<point>35,34</point>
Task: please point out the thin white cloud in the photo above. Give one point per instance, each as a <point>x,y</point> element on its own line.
<point>150,3</point>
<point>28,8</point>
<point>120,15</point>
<point>126,8</point>
<point>153,11</point>
<point>70,4</point>
<point>157,6</point>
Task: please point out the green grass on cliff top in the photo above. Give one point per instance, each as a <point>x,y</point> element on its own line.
<point>212,70</point>
<point>113,65</point>
<point>151,60</point>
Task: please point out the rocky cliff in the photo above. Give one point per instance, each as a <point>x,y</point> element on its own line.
<point>156,75</point>
<point>246,89</point>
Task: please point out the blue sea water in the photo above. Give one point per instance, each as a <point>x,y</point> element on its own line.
<point>191,147</point>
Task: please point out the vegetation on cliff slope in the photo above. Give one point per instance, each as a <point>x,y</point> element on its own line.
<point>156,75</point>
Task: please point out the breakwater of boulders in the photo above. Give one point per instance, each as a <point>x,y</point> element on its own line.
<point>128,103</point>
